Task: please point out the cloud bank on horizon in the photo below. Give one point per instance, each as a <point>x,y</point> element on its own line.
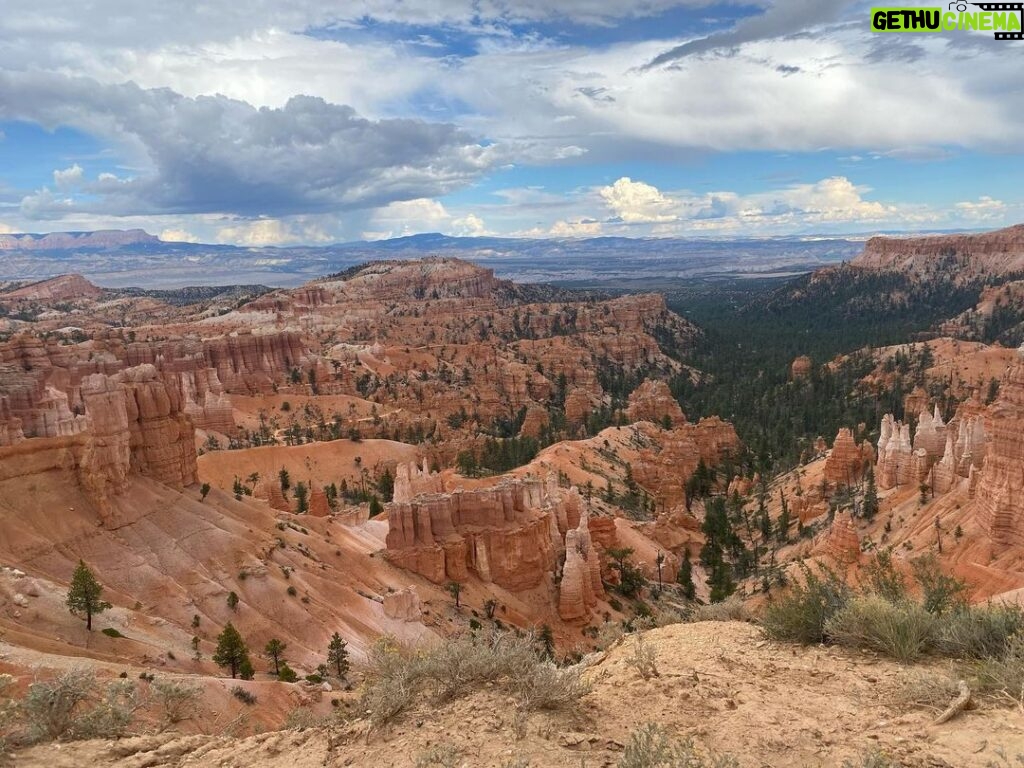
<point>267,123</point>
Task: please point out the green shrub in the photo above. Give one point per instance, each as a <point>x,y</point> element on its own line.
<point>903,631</point>
<point>883,578</point>
<point>286,674</point>
<point>801,614</point>
<point>1002,673</point>
<point>940,592</point>
<point>244,696</point>
<point>111,632</point>
<point>979,632</point>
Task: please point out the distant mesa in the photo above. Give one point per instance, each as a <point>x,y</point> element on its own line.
<point>61,288</point>
<point>952,256</point>
<point>68,241</point>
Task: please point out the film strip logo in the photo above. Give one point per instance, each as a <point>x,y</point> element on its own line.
<point>1004,7</point>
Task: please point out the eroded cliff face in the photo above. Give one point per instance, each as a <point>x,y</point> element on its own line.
<point>131,422</point>
<point>42,383</point>
<point>506,534</point>
<point>938,454</point>
<point>1000,483</point>
<point>513,534</point>
<point>952,257</point>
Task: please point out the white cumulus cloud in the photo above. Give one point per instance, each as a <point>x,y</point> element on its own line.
<point>638,203</point>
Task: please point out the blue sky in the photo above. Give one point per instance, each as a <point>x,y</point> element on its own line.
<point>256,122</point>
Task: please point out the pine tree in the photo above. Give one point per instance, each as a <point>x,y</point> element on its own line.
<point>870,496</point>
<point>783,530</point>
<point>720,581</point>
<point>232,652</point>
<point>685,577</point>
<point>85,593</point>
<point>386,485</point>
<point>274,650</point>
<point>232,601</point>
<point>301,498</point>
<point>455,590</point>
<point>337,655</point>
<point>375,506</point>
<point>763,519</point>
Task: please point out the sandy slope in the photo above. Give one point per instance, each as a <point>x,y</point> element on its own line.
<point>720,683</point>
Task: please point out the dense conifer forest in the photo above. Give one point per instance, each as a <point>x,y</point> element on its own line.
<point>754,328</point>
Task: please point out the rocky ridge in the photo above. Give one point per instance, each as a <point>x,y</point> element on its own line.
<point>951,257</point>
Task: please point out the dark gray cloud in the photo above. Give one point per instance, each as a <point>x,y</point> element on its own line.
<point>214,154</point>
<point>783,18</point>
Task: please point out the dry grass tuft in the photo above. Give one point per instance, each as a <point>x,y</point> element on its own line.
<point>398,675</point>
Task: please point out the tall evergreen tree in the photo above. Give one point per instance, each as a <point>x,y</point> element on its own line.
<point>274,650</point>
<point>337,655</point>
<point>870,508</point>
<point>232,652</point>
<point>782,532</point>
<point>85,594</point>
<point>685,577</point>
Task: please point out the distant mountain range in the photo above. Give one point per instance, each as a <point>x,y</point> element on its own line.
<point>118,258</point>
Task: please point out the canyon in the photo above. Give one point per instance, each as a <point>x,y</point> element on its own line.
<point>420,450</point>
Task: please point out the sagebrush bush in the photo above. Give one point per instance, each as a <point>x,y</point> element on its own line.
<point>903,631</point>
<point>730,609</point>
<point>643,658</point>
<point>883,578</point>
<point>177,700</point>
<point>396,675</point>
<point>802,613</point>
<point>1004,672</point>
<point>650,747</point>
<point>301,718</point>
<point>51,707</point>
<point>72,706</point>
<point>549,687</point>
<point>112,714</point>
<point>884,616</point>
<point>979,632</point>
